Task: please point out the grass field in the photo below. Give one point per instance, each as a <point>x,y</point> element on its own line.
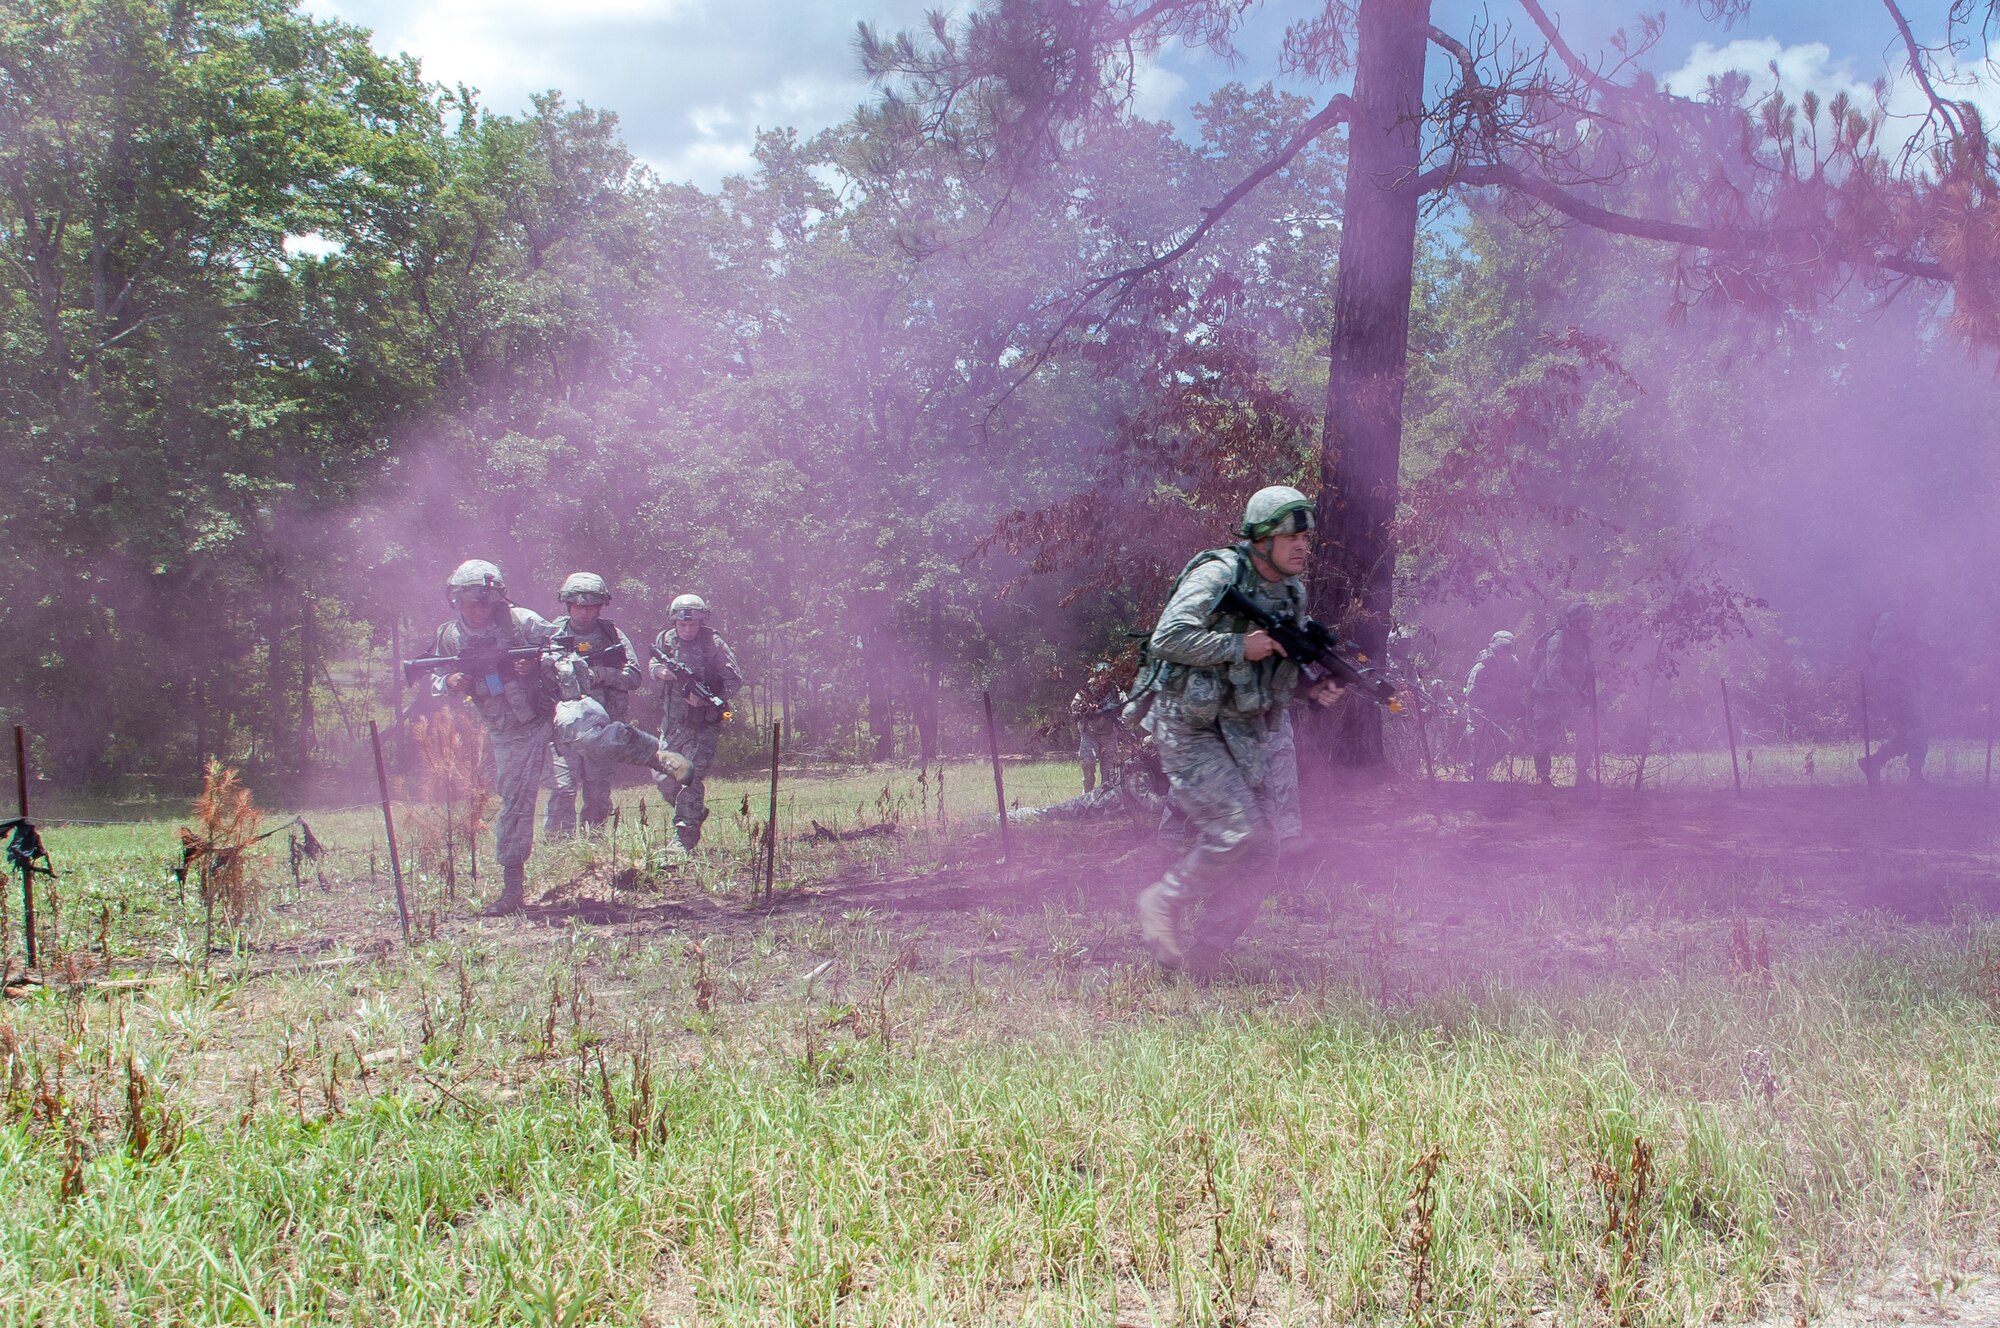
<point>929,1088</point>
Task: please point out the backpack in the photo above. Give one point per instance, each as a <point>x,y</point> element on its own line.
<point>1153,672</point>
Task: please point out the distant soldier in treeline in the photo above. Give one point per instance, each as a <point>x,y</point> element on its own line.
<point>1495,694</point>
<point>549,694</point>
<point>1095,710</point>
<point>517,710</point>
<point>691,659</point>
<point>1562,693</point>
<point>585,595</point>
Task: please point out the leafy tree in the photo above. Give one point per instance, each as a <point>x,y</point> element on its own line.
<point>1760,202</point>
<point>167,402</point>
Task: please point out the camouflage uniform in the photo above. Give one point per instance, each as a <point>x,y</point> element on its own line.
<point>1562,688</point>
<point>517,719</point>
<point>1097,731</point>
<point>694,728</point>
<point>1896,659</point>
<point>1495,693</point>
<point>1225,741</point>
<point>589,741</point>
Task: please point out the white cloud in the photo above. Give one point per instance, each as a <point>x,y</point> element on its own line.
<point>1810,66</point>
<point>1807,66</point>
<point>691,81</point>
<point>1159,91</point>
<point>705,163</point>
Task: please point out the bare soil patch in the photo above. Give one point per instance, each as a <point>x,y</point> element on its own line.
<point>1414,890</point>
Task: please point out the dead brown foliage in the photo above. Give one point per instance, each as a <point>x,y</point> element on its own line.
<point>217,848</point>
<point>458,789</point>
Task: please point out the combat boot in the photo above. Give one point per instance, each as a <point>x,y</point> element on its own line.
<point>1159,925</point>
<point>513,880</point>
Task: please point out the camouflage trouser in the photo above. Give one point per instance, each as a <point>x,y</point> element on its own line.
<point>1239,825</point>
<point>1552,718</point>
<point>575,772</point>
<point>1098,754</point>
<point>697,743</point>
<point>517,755</point>
<point>588,743</point>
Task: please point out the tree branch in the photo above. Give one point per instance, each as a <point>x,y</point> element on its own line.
<point>1459,52</point>
<point>1722,240</point>
<point>1333,113</point>
<point>1553,35</point>
<point>1939,106</point>
<point>1337,111</point>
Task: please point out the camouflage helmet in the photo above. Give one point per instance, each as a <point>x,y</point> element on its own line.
<point>688,606</point>
<point>1578,613</point>
<point>1501,640</point>
<point>475,574</point>
<point>584,588</point>
<point>1277,510</point>
<point>1101,669</point>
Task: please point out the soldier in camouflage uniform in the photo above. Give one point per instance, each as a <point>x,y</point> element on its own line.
<point>1219,718</point>
<point>589,738</point>
<point>515,705</point>
<point>692,726</point>
<point>1495,693</point>
<point>1095,710</point>
<point>1562,692</point>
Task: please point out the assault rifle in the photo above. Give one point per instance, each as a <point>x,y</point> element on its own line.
<point>692,684</point>
<point>487,664</point>
<point>1312,646</point>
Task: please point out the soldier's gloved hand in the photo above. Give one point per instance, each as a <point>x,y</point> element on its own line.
<point>1259,645</point>
<point>659,671</point>
<point>458,682</point>
<point>525,668</point>
<point>1325,692</point>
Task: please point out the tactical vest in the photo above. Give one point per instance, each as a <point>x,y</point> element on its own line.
<point>603,634</point>
<point>701,655</point>
<point>1163,676</point>
<point>522,701</point>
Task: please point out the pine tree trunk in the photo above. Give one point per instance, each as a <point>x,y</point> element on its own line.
<point>277,732</point>
<point>927,706</point>
<point>1355,558</point>
<point>308,662</point>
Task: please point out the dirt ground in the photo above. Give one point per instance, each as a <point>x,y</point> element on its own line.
<point>1413,891</point>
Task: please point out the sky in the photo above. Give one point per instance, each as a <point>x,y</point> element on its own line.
<point>692,81</point>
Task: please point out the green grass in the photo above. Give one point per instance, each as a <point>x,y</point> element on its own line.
<point>1180,1159</point>
<point>829,1118</point>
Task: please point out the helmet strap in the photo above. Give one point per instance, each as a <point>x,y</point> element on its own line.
<point>1260,558</point>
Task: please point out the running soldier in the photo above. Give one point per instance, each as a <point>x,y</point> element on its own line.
<point>513,703</point>
<point>1220,719</point>
<point>692,723</point>
<point>1562,695</point>
<point>577,769</point>
<point>1495,694</point>
<point>1095,709</point>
